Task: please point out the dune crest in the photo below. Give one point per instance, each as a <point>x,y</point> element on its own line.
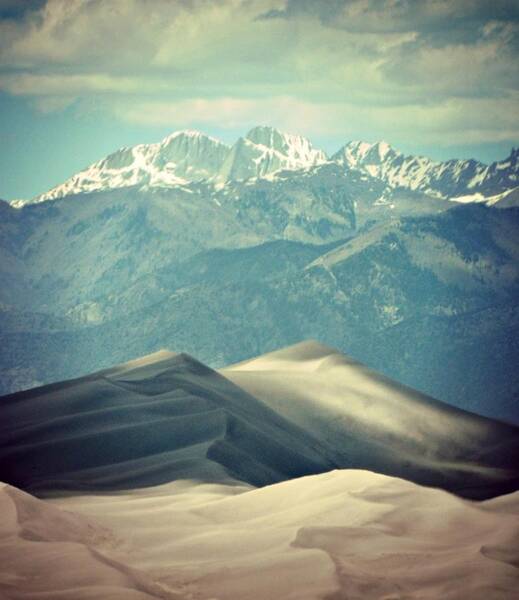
<point>368,421</point>
<point>154,420</point>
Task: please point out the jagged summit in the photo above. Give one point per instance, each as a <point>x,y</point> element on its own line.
<point>358,151</point>
<point>295,147</point>
<point>187,156</point>
<point>181,157</point>
<point>265,150</point>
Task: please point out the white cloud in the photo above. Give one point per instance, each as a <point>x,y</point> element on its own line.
<point>34,84</point>
<point>327,67</point>
<point>226,113</point>
<point>472,120</point>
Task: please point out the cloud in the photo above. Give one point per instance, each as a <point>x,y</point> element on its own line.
<point>443,124</point>
<point>406,67</point>
<point>34,84</point>
<point>225,113</point>
<point>448,19</point>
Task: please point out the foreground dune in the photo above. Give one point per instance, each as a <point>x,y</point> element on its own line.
<point>49,553</point>
<point>343,534</point>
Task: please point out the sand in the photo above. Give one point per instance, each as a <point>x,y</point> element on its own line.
<point>343,534</point>
<point>145,423</point>
<point>162,478</point>
<point>368,421</point>
<point>48,553</point>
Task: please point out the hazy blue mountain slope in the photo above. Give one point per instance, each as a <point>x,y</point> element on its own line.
<point>468,359</point>
<point>430,301</point>
<point>13,277</point>
<point>90,245</point>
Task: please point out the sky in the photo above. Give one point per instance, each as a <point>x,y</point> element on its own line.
<point>81,78</point>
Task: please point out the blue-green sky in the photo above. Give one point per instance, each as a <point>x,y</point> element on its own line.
<point>80,78</point>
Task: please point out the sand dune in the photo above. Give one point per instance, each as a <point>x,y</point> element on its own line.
<point>302,410</point>
<point>343,534</point>
<point>369,421</point>
<point>147,422</point>
<point>53,554</point>
<point>162,478</point>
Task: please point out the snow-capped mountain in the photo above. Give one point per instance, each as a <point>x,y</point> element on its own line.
<point>190,156</point>
<point>181,157</point>
<point>458,180</point>
<point>187,157</point>
<point>401,272</point>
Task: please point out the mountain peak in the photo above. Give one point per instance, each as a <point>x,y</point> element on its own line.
<point>269,136</point>
<point>293,151</point>
<point>262,130</point>
<point>514,155</point>
<point>286,143</point>
<point>265,150</point>
<point>191,134</point>
<point>359,152</point>
<point>184,132</point>
<point>455,179</point>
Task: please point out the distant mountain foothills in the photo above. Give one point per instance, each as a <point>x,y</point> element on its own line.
<point>408,265</point>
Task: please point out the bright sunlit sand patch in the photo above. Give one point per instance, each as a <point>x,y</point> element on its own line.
<point>343,534</point>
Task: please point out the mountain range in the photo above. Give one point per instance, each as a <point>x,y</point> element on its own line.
<point>186,157</point>
<point>407,264</point>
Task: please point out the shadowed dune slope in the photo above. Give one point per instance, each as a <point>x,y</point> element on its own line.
<point>150,421</point>
<point>370,422</point>
<point>303,410</point>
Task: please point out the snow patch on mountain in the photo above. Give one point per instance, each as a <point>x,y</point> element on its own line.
<point>191,156</point>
